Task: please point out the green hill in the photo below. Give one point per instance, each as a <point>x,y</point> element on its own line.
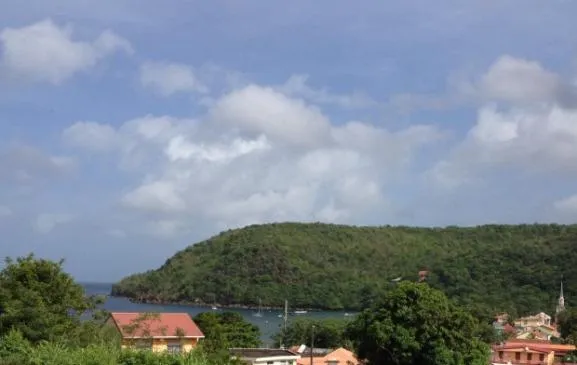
<point>495,267</point>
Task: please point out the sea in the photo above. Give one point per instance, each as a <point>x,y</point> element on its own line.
<point>269,323</point>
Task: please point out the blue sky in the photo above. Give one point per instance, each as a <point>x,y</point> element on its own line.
<point>130,129</point>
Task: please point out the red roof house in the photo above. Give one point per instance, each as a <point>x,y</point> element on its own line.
<point>517,351</point>
<point>175,332</point>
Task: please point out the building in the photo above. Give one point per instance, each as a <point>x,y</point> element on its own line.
<point>261,356</point>
<point>525,352</point>
<point>174,332</point>
<point>537,320</point>
<point>340,356</point>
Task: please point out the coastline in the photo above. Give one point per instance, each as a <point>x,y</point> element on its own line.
<point>228,306</point>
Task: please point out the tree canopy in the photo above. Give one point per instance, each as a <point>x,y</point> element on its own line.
<point>512,268</point>
<point>415,324</point>
<point>224,330</point>
<point>328,333</point>
<point>567,325</point>
<point>40,300</point>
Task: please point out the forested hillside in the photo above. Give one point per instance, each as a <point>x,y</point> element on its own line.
<point>494,267</point>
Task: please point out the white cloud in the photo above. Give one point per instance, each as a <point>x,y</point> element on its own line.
<point>157,196</point>
<point>46,52</point>
<point>260,156</point>
<point>170,78</point>
<point>257,110</point>
<point>533,131</point>
<point>517,80</point>
<point>91,136</point>
<point>297,86</point>
<point>45,223</point>
<point>533,140</point>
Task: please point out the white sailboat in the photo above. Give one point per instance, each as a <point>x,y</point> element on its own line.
<point>259,313</point>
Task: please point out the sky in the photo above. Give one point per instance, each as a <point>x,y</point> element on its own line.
<point>130,129</point>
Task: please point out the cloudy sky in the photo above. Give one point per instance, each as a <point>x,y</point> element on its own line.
<point>132,128</point>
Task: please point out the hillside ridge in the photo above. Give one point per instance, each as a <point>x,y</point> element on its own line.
<point>517,268</point>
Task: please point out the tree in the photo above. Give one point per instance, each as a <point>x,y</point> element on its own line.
<point>40,300</point>
<point>567,325</point>
<point>329,333</point>
<point>415,324</point>
<point>224,330</point>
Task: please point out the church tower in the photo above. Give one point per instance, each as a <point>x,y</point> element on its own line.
<point>560,303</point>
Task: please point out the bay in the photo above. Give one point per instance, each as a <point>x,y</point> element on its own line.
<point>269,324</point>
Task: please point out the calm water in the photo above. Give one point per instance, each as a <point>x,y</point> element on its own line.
<point>269,323</point>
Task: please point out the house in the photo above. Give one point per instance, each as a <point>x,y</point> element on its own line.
<point>340,356</point>
<point>174,332</point>
<point>537,320</point>
<point>262,356</point>
<point>521,352</point>
<point>538,333</point>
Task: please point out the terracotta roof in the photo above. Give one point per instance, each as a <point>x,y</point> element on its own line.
<point>157,325</point>
<point>342,355</point>
<point>254,353</point>
<point>534,345</point>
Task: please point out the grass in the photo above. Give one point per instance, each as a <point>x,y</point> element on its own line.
<point>15,350</point>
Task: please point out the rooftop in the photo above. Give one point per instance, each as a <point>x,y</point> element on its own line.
<point>156,325</point>
<point>260,352</point>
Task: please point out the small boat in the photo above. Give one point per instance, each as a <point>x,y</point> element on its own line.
<point>214,307</point>
<point>300,312</point>
<point>259,313</point>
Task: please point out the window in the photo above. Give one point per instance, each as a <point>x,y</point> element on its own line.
<point>269,363</point>
<point>529,357</point>
<point>517,356</point>
<point>541,357</point>
<point>143,344</point>
<point>501,355</point>
<point>173,348</point>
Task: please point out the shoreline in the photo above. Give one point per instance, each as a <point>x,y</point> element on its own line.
<point>229,306</point>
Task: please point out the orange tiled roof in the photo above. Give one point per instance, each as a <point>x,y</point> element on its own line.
<point>535,345</point>
<point>342,355</point>
<point>162,325</point>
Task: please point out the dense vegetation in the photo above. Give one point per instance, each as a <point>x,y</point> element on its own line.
<point>46,318</point>
<point>414,324</point>
<point>513,268</point>
<point>43,303</point>
<point>225,330</point>
<point>328,333</point>
<point>16,350</point>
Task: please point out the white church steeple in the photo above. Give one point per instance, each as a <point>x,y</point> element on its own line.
<point>561,302</point>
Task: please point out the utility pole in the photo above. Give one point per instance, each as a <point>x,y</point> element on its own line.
<point>312,342</point>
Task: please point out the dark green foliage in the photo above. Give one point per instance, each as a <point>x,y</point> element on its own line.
<point>40,300</point>
<point>329,333</point>
<point>224,330</point>
<point>502,268</point>
<point>567,325</point>
<point>415,324</point>
<point>16,350</point>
